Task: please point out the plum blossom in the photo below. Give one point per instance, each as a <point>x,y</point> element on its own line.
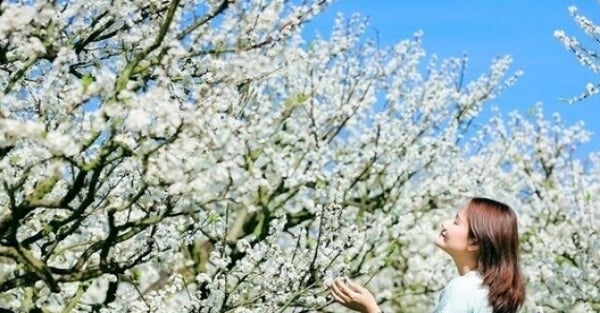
<point>206,156</point>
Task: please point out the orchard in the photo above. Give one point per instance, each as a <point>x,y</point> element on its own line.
<point>204,156</point>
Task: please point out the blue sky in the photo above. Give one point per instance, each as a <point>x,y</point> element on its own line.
<point>486,29</point>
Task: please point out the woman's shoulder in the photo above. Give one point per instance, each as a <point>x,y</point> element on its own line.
<point>468,282</point>
<point>465,293</point>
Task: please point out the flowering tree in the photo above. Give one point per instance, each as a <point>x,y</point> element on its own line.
<point>586,55</point>
<point>201,156</point>
<point>557,206</point>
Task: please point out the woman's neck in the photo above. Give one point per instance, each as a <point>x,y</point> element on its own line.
<point>465,269</point>
<point>465,265</point>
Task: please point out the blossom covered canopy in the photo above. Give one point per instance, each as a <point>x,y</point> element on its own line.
<point>202,156</point>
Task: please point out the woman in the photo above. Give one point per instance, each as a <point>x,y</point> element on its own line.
<point>483,242</point>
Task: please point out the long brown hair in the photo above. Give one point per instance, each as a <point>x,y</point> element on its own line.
<point>493,226</point>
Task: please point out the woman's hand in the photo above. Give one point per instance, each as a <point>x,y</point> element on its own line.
<point>353,296</point>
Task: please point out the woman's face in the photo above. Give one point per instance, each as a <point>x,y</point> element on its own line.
<point>454,235</point>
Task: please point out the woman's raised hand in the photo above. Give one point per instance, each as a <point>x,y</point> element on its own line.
<point>353,296</point>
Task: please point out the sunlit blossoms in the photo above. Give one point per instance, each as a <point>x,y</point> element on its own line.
<point>202,156</point>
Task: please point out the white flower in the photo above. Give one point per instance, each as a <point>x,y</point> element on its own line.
<point>137,120</point>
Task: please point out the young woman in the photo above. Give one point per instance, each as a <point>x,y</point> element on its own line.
<point>483,242</point>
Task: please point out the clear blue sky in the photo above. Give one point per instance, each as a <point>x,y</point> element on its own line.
<point>489,28</point>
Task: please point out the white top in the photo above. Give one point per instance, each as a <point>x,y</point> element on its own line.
<point>464,294</point>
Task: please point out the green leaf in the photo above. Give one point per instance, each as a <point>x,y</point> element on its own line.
<point>137,274</point>
<point>212,218</point>
<point>43,188</point>
<point>258,229</point>
<point>86,81</point>
<point>588,197</point>
<point>391,249</point>
<point>295,101</point>
<point>14,160</point>
<point>320,184</point>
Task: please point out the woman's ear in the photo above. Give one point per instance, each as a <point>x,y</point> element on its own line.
<point>473,245</point>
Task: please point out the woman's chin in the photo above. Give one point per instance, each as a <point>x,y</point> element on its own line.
<point>439,242</point>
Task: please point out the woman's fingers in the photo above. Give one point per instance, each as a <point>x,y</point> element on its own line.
<point>339,298</point>
<point>341,286</point>
<point>349,287</point>
<point>339,293</point>
<point>355,287</point>
<point>343,291</point>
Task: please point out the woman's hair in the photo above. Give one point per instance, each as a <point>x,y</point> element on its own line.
<point>493,226</point>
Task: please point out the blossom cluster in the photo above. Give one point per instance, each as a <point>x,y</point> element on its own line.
<point>585,54</point>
